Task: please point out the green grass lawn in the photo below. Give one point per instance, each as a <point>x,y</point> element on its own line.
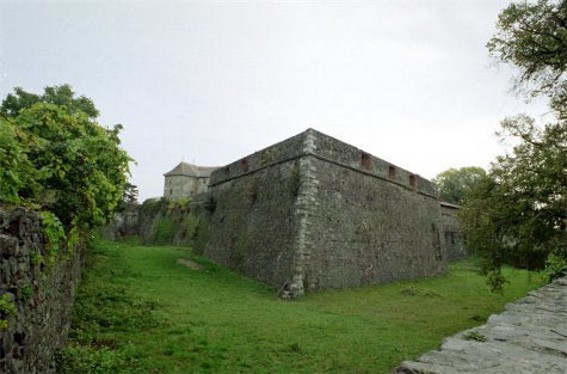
<point>138,311</point>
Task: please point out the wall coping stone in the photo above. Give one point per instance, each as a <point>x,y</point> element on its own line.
<point>326,148</point>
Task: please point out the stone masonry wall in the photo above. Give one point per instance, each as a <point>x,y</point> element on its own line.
<point>363,230</point>
<point>313,213</point>
<point>124,224</point>
<point>252,228</point>
<point>454,237</point>
<point>43,295</point>
<point>183,186</point>
<point>369,221</point>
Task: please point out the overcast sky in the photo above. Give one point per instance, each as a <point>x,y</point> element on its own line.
<point>210,82</point>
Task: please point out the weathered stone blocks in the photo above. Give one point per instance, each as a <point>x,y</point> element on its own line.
<point>43,296</point>
<point>314,213</point>
<point>529,337</point>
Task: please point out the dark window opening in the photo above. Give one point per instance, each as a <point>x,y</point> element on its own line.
<point>391,173</point>
<point>366,160</point>
<point>244,165</point>
<point>412,181</point>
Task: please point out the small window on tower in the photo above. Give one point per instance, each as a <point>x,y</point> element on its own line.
<point>244,165</point>
<point>366,160</point>
<point>412,181</point>
<point>391,173</point>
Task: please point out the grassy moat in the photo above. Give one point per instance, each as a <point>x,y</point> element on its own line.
<point>142,310</point>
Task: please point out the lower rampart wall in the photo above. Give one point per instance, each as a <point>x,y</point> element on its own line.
<point>253,226</point>
<point>365,230</point>
<point>322,214</point>
<point>454,237</point>
<point>41,295</point>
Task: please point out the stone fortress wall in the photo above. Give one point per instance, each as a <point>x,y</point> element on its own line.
<point>41,294</point>
<point>314,213</point>
<point>454,237</point>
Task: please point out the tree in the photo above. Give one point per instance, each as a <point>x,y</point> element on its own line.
<point>533,37</point>
<point>455,184</point>
<point>129,198</point>
<point>130,193</point>
<point>62,96</point>
<point>56,157</point>
<point>517,214</point>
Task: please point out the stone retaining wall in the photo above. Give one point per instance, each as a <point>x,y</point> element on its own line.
<point>529,337</point>
<point>43,295</point>
<point>454,238</point>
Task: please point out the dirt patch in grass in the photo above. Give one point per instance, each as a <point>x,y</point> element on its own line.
<point>188,263</point>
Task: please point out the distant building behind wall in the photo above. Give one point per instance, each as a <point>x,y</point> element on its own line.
<point>186,180</point>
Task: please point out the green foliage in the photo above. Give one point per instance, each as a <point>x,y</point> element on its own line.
<point>517,214</point>
<point>415,291</point>
<point>455,184</point>
<point>555,266</point>
<point>54,233</point>
<point>201,235</point>
<point>7,308</point>
<point>165,230</point>
<point>129,198</point>
<point>197,331</point>
<point>61,96</point>
<point>104,307</point>
<point>27,292</point>
<point>37,258</point>
<point>191,226</point>
<point>58,158</point>
<point>151,207</point>
<point>17,173</point>
<point>170,221</point>
<point>179,205</point>
<point>87,360</point>
<point>532,36</point>
<point>74,237</point>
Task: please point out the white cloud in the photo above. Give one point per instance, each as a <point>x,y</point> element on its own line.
<point>408,81</point>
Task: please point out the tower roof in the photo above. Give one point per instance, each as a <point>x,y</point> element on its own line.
<point>190,170</point>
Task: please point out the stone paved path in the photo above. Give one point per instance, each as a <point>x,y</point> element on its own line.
<point>529,337</point>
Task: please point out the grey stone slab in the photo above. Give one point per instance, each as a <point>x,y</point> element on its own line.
<point>530,337</point>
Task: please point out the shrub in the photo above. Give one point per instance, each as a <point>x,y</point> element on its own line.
<point>555,267</point>
<point>57,158</point>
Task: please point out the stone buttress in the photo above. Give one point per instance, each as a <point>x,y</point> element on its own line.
<point>313,213</point>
